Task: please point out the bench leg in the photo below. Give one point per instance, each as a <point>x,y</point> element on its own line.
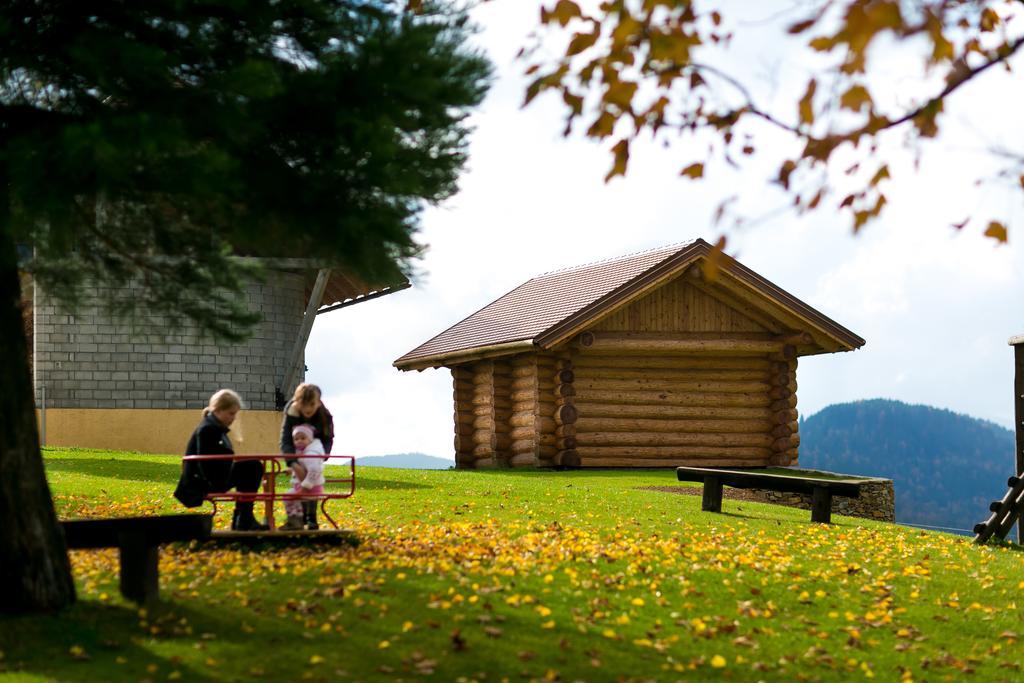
<point>140,573</point>
<point>821,505</point>
<point>712,501</point>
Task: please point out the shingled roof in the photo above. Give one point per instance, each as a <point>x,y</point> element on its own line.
<point>547,309</point>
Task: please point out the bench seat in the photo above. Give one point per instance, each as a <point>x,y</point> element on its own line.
<point>138,540</point>
<point>820,490</point>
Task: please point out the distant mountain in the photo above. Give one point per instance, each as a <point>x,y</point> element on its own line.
<point>409,461</point>
<point>946,467</point>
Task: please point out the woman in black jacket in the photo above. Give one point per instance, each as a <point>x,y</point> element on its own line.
<point>200,477</point>
<point>307,408</point>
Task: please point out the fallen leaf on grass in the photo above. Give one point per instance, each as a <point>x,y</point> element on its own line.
<point>78,652</point>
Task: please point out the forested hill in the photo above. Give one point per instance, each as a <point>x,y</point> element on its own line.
<point>946,466</point>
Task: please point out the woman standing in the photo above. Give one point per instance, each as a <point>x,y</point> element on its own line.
<point>200,477</point>
<point>307,408</point>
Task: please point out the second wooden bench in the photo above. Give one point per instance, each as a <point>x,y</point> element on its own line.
<point>820,490</point>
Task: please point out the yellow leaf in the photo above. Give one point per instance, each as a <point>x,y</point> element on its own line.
<point>694,171</point>
<point>602,127</point>
<point>580,42</point>
<point>806,106</point>
<point>78,652</point>
<point>718,661</point>
<point>563,13</point>
<point>997,231</point>
<point>880,175</point>
<point>989,19</point>
<point>855,99</point>
<point>822,44</point>
<point>316,659</point>
<point>620,93</point>
<point>627,28</point>
<point>383,645</point>
<point>801,26</point>
<point>785,171</point>
<point>621,153</point>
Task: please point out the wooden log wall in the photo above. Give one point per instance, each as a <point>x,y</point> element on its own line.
<point>524,418</point>
<point>666,410</point>
<point>547,410</point>
<point>785,447</point>
<point>564,390</point>
<point>502,440</point>
<point>490,406</point>
<point>462,394</point>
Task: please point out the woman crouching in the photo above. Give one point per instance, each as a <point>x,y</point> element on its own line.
<point>215,475</point>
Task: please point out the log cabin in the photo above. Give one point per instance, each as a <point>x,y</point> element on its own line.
<point>679,355</point>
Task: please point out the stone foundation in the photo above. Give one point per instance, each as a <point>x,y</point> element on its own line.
<point>877,500</point>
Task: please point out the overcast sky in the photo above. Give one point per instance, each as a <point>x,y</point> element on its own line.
<point>936,306</point>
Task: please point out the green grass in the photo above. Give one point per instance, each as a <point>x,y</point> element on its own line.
<point>527,575</point>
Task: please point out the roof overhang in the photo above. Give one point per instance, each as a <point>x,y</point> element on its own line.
<point>342,288</point>
<point>468,355</point>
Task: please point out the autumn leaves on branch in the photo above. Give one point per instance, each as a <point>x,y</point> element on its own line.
<point>635,67</point>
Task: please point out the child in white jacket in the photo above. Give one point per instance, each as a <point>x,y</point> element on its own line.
<point>307,478</point>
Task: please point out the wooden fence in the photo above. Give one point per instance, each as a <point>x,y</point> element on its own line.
<point>1005,512</point>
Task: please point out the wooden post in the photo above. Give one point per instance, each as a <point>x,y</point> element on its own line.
<point>1018,414</point>
<point>462,394</point>
<point>565,412</point>
<point>821,505</point>
<point>712,500</point>
<point>316,297</point>
<point>140,575</point>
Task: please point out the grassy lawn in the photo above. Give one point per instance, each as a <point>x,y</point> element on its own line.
<point>527,575</point>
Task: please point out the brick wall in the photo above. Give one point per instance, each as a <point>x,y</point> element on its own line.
<point>89,359</point>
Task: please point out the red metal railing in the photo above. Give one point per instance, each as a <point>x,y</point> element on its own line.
<point>275,467</point>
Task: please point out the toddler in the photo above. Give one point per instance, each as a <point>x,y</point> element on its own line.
<point>307,477</point>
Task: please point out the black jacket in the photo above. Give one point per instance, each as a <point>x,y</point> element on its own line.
<point>199,478</point>
<point>322,423</point>
<point>210,438</point>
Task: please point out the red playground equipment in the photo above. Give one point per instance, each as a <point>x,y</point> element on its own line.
<point>339,482</point>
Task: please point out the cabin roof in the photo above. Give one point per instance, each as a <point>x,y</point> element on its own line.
<point>546,310</point>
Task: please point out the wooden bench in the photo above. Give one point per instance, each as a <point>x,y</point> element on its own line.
<point>138,539</point>
<point>821,490</point>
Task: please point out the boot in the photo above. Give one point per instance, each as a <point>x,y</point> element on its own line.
<point>309,515</point>
<point>294,523</point>
<point>245,520</point>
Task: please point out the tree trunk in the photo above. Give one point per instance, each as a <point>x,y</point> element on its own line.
<point>34,571</point>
